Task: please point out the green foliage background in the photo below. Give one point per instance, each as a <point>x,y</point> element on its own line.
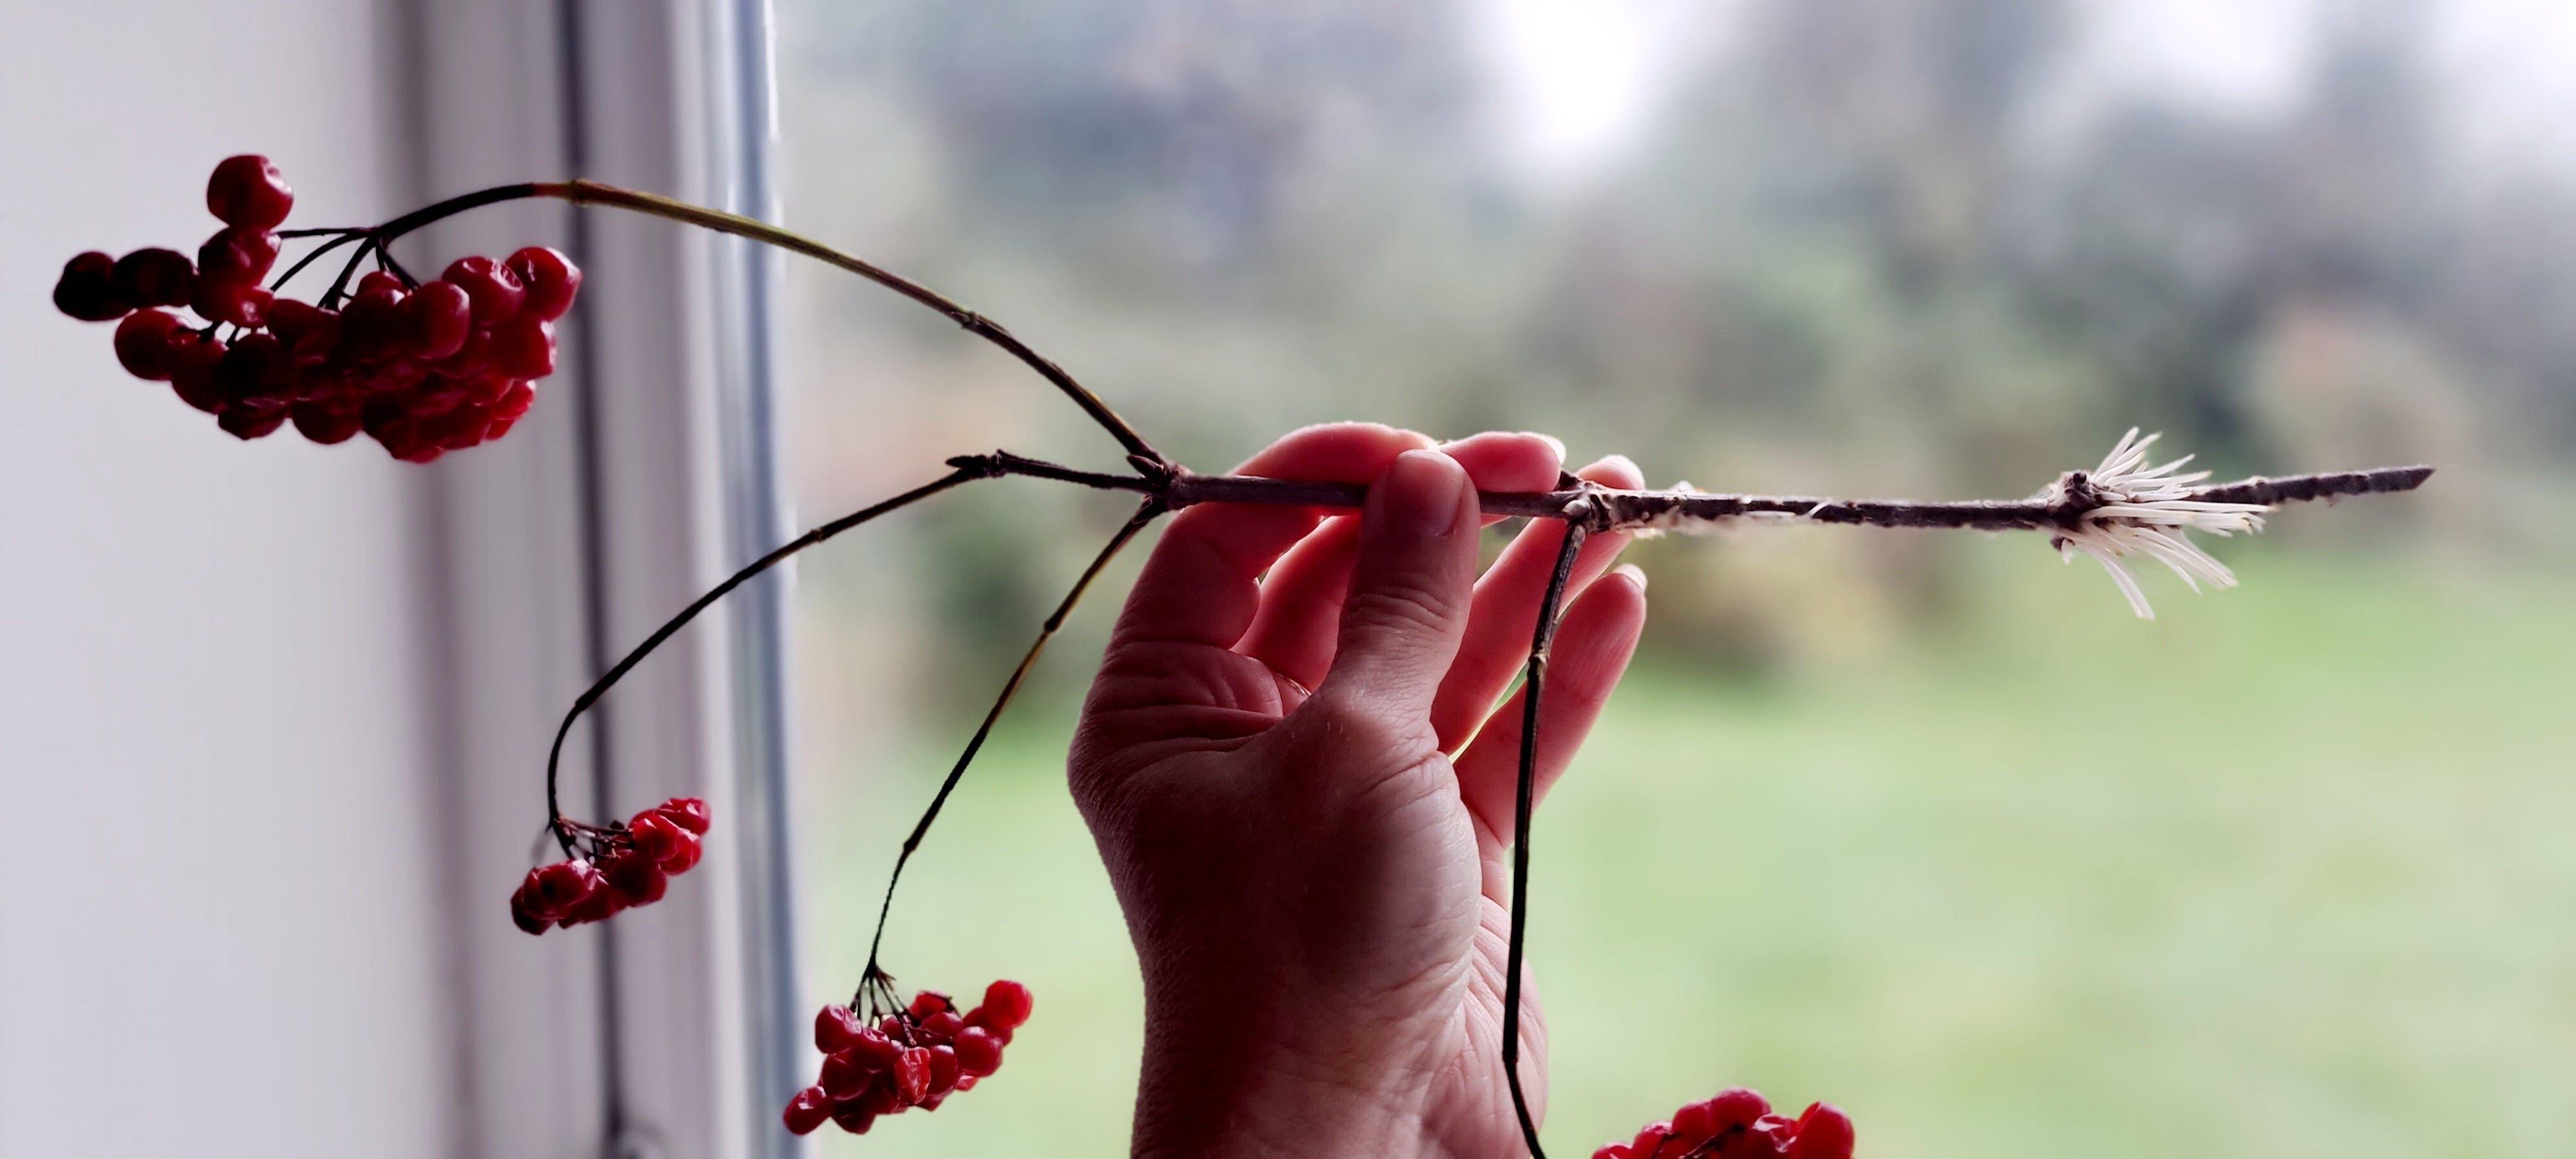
<point>1913,822</point>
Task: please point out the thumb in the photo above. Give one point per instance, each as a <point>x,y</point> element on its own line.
<point>1410,589</point>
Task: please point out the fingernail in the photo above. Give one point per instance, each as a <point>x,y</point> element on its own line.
<point>1636,575</point>
<point>1555,442</point>
<point>1422,493</point>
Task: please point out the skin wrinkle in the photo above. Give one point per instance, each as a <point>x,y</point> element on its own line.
<point>1308,888</point>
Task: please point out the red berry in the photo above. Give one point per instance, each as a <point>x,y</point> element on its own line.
<point>1006,1005</point>
<point>912,1074</point>
<point>462,428</point>
<point>551,280</point>
<point>87,289</point>
<point>854,1116</point>
<point>944,1072</point>
<point>473,358</point>
<point>248,191</point>
<point>371,324</point>
<point>563,885</point>
<point>837,1028</point>
<point>326,423</point>
<point>311,333</point>
<point>524,347</point>
<point>437,318</point>
<point>245,424</point>
<point>235,254</point>
<point>845,1075</point>
<point>155,277</point>
<point>1614,1151</point>
<point>523,913</point>
<point>942,1026</point>
<point>143,343</point>
<point>515,401</point>
<point>1650,1139</point>
<point>1823,1132</point>
<point>655,835</point>
<point>495,291</point>
<point>636,880</point>
<point>978,1052</point>
<point>381,280</point>
<point>191,362</point>
<point>240,303</point>
<point>255,372</point>
<point>874,1050</point>
<point>807,1111</point>
<point>688,813</point>
<point>928,1002</point>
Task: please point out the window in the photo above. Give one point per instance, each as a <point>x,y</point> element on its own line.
<point>2072,884</point>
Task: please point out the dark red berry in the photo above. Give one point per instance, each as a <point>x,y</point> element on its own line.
<point>381,280</point>
<point>1823,1132</point>
<point>837,1028</point>
<point>1614,1151</point>
<point>437,318</point>
<point>155,277</point>
<point>551,280</point>
<point>240,303</point>
<point>87,289</point>
<point>495,291</point>
<point>942,1026</point>
<point>978,1052</point>
<point>565,884</point>
<point>928,1002</point>
<point>688,813</point>
<point>1650,1139</point>
<point>523,912</point>
<point>235,254</point>
<point>854,1116</point>
<point>1006,1005</point>
<point>807,1111</point>
<point>912,1074</point>
<point>944,1072</point>
<point>473,359</point>
<point>515,401</point>
<point>246,424</point>
<point>524,347</point>
<point>874,1050</point>
<point>462,428</point>
<point>143,343</point>
<point>371,324</point>
<point>636,880</point>
<point>248,191</point>
<point>326,423</point>
<point>311,333</point>
<point>844,1076</point>
<point>191,361</point>
<point>656,836</point>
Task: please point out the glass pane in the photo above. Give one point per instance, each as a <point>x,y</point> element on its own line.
<point>1915,823</point>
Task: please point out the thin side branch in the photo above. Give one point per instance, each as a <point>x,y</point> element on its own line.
<point>554,757</point>
<point>1146,513</point>
<point>1578,515</point>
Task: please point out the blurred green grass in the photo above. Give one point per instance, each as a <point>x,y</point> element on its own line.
<point>2286,873</point>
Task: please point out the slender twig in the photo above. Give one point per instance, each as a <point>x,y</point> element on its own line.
<point>1617,510</point>
<point>1578,515</point>
<point>1146,513</point>
<point>554,757</point>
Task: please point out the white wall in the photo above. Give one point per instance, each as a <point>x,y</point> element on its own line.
<point>219,911</point>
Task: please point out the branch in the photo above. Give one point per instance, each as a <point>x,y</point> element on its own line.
<point>1578,516</point>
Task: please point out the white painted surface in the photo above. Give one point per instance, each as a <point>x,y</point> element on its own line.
<point>218,902</point>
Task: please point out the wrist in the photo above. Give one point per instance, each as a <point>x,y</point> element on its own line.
<point>1232,1092</point>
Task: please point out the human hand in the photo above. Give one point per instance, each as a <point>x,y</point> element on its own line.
<point>1317,891</point>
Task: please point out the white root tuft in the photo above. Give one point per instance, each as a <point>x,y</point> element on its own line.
<point>2149,511</point>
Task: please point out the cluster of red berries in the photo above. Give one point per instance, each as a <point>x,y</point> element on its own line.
<point>1738,1124</point>
<point>915,1057</point>
<point>422,368</point>
<point>630,865</point>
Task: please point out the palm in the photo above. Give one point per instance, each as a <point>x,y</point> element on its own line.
<point>1311,863</point>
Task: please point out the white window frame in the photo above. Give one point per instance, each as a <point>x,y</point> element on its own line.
<point>642,478</point>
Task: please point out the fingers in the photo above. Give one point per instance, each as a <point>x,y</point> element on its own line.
<point>1409,591</point>
<point>1201,584</point>
<point>1506,610</point>
<point>1301,601</point>
<point>1593,643</point>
